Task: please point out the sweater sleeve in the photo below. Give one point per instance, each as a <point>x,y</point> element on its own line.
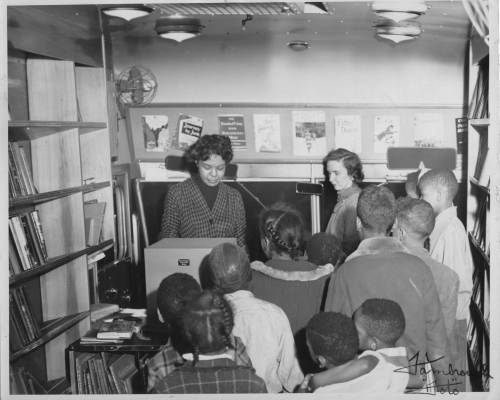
<point>171,220</point>
<point>240,228</point>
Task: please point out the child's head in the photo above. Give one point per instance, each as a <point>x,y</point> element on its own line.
<point>438,187</point>
<point>229,268</point>
<point>332,339</point>
<point>281,230</point>
<point>411,185</point>
<point>379,323</point>
<point>414,220</point>
<point>323,249</point>
<point>376,210</point>
<point>173,293</point>
<point>207,321</point>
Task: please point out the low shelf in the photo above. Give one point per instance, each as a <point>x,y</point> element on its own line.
<point>30,130</point>
<point>50,330</point>
<point>56,263</point>
<point>39,198</point>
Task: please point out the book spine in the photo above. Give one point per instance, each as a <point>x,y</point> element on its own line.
<point>111,383</point>
<point>29,177</point>
<point>14,256</point>
<point>20,241</point>
<point>15,339</point>
<point>90,389</point>
<point>30,311</point>
<point>36,217</point>
<point>29,241</point>
<point>12,187</point>
<point>117,381</point>
<point>93,376</point>
<point>18,320</point>
<point>34,238</point>
<point>15,172</point>
<point>22,173</point>
<point>24,314</point>
<point>103,377</point>
<point>13,386</point>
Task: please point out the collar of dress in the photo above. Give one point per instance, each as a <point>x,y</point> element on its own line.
<point>345,193</point>
<point>378,245</point>
<point>302,276</point>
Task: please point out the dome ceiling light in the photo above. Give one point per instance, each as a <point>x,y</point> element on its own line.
<point>399,11</point>
<point>178,28</point>
<point>397,31</point>
<point>128,12</point>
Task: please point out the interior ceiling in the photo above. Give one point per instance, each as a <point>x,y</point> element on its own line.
<point>446,19</point>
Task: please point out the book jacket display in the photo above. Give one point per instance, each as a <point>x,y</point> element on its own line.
<point>59,159</point>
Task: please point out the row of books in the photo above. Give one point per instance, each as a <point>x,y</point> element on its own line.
<point>480,229</point>
<point>22,382</point>
<point>108,373</point>
<point>479,104</point>
<point>27,247</point>
<point>20,178</point>
<point>24,327</point>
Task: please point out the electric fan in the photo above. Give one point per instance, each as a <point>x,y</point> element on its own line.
<point>136,85</point>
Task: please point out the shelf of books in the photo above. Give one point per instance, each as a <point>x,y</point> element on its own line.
<point>31,130</point>
<point>57,262</point>
<point>29,339</point>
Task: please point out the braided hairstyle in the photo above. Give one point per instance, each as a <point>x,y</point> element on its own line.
<point>207,323</point>
<point>284,226</point>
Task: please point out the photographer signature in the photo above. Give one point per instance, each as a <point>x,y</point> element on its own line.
<point>419,368</point>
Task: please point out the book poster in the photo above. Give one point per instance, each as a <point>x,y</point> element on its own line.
<point>429,130</point>
<point>267,133</point>
<point>155,131</point>
<point>187,131</point>
<point>309,133</point>
<point>233,126</point>
<point>348,132</point>
<point>386,133</point>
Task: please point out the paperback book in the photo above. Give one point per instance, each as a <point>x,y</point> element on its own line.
<point>187,131</point>
<point>116,329</point>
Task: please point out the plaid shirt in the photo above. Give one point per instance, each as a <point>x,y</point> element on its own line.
<point>186,214</point>
<point>168,359</point>
<point>211,376</point>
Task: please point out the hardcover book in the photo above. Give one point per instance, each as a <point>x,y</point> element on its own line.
<point>116,329</point>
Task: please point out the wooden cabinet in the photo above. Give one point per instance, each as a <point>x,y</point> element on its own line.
<point>68,140</point>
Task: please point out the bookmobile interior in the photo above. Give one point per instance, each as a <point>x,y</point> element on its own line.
<point>76,140</point>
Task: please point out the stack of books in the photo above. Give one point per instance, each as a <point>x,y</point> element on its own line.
<point>27,247</point>
<point>24,327</point>
<point>106,373</point>
<point>20,179</point>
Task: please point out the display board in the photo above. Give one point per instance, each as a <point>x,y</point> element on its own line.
<point>290,133</point>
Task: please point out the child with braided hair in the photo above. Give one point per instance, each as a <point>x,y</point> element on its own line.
<point>207,322</point>
<point>296,286</point>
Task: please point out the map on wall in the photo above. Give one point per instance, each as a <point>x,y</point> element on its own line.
<point>267,133</point>
<point>429,130</point>
<point>309,133</point>
<point>155,132</point>
<point>348,132</point>
<point>386,133</point>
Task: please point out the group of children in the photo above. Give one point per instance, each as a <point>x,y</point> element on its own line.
<point>304,322</point>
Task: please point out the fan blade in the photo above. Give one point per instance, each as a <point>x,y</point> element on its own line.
<point>138,96</point>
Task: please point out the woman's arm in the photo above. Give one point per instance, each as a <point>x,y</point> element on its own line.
<point>171,220</point>
<point>343,373</point>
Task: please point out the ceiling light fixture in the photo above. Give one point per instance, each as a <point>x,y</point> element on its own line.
<point>128,12</point>
<point>299,46</point>
<point>178,28</point>
<point>399,11</point>
<point>397,31</point>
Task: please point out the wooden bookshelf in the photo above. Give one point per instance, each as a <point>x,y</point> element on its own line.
<point>31,130</point>
<point>58,262</point>
<point>35,199</point>
<point>479,249</point>
<point>50,330</point>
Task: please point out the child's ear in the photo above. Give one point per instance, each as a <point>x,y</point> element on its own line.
<point>359,225</point>
<point>374,343</point>
<point>321,361</point>
<point>439,195</point>
<point>160,316</point>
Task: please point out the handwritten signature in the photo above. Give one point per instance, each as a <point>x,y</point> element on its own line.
<point>419,368</point>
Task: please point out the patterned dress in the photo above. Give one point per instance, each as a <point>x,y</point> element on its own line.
<point>187,215</point>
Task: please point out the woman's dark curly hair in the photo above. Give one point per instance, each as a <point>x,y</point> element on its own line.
<point>351,162</point>
<point>207,323</point>
<point>210,145</point>
<point>284,226</point>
